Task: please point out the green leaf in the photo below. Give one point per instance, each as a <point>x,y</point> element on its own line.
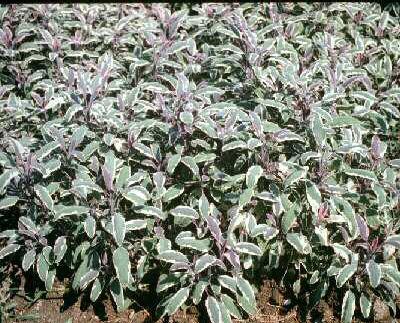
<point>199,291</point>
<point>190,162</point>
<point>256,122</point>
<point>90,149</point>
<point>90,226</point>
<point>51,274</point>
<point>246,196</point>
<point>249,307</point>
<point>44,196</point>
<point>393,240</point>
<point>137,195</point>
<point>143,149</point>
<point>322,234</point>
<point>380,194</point>
<point>253,143</point>
<point>362,173</point>
<point>318,130</point>
<point>159,180</point>
<point>185,212</point>
<point>299,242</point>
<point>237,144</point>
<point>395,163</point>
<point>288,219</point>
<point>392,273</point>
<point>96,290</point>
<point>267,196</point>
<point>6,178</point>
<point>294,177</point>
<point>177,47</point>
<point>117,294</point>
<point>8,201</point>
<point>47,149</point>
<point>186,117</point>
<point>62,210</point>
<point>9,249</point>
<point>42,267</point>
<point>213,310</point>
<point>173,161</point>
<point>203,263</point>
<point>226,317</point>
<point>344,121</point>
<point>345,274</point>
<point>123,176</point>
<point>54,103</point>
<point>287,135</point>
<point>119,228</point>
<point>246,289</point>
<point>374,273</point>
<point>110,163</point>
<point>50,167</point>
<point>154,87</point>
<point>60,248</point>
<point>342,251</point>
<point>313,197</point>
<point>172,256</point>
<point>345,208</point>
<point>267,231</point>
<point>122,265</point>
<point>166,281</point>
<point>253,175</point>
<point>173,192</point>
<point>202,245</point>
<point>177,300</point>
<point>28,260</point>
<point>348,307</point>
<point>228,282</point>
<point>207,128</point>
<point>29,224</point>
<point>248,248</point>
<point>365,305</point>
<point>204,206</point>
<point>78,136</point>
<point>209,90</point>
<point>81,271</point>
<point>364,95</point>
<point>88,278</point>
<point>137,224</point>
<point>152,211</point>
<point>72,110</point>
<point>231,307</point>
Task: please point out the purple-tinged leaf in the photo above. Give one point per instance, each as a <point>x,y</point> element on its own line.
<point>108,180</point>
<point>362,227</point>
<point>213,226</point>
<point>233,258</point>
<point>271,217</point>
<point>179,266</point>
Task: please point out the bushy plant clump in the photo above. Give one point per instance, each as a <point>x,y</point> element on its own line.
<point>206,144</point>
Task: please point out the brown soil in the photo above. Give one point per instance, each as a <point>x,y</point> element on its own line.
<point>270,301</point>
<point>51,310</point>
<point>58,309</point>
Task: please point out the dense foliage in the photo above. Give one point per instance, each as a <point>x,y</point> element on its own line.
<point>206,144</point>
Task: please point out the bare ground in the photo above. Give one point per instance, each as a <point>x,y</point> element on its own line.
<point>56,307</point>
